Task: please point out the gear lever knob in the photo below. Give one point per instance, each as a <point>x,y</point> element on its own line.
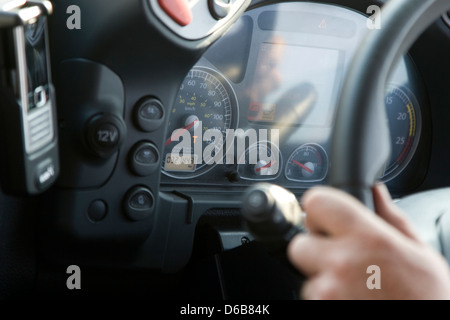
<point>271,213</point>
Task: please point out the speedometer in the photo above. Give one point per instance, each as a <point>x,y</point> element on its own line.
<point>204,109</point>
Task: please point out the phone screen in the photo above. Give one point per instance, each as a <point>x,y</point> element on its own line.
<point>36,60</point>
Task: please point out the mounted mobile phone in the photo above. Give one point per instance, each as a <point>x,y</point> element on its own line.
<point>28,137</point>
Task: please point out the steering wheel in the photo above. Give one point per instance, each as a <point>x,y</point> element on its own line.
<point>360,142</point>
<point>361,126</point>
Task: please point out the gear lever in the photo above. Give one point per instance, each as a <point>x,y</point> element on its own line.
<point>272,214</point>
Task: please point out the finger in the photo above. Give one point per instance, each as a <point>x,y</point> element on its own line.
<point>308,253</point>
<point>386,209</point>
<point>333,212</point>
<point>321,287</point>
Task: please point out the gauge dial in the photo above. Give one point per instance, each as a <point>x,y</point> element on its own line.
<point>308,163</point>
<point>202,113</point>
<point>404,125</point>
<point>261,161</point>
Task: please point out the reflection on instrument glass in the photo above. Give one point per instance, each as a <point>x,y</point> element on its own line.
<point>308,163</point>
<point>202,113</point>
<point>404,125</point>
<point>281,87</point>
<point>293,107</point>
<point>261,161</point>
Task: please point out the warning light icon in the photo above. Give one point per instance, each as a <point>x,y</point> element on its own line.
<point>323,24</point>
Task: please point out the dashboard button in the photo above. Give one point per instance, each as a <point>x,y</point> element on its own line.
<point>144,158</point>
<point>178,10</point>
<point>146,155</point>
<point>97,210</point>
<point>149,114</point>
<point>151,110</point>
<point>139,203</point>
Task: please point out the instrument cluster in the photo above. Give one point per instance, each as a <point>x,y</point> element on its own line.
<point>260,103</point>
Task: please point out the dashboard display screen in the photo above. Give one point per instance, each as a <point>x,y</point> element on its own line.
<point>184,163</point>
<point>290,90</point>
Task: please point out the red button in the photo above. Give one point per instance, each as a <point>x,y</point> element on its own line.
<point>178,10</point>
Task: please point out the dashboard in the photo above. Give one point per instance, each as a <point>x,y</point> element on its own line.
<point>162,128</point>
<point>260,104</point>
<point>194,127</point>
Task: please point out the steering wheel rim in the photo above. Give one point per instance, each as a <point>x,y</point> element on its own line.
<point>360,140</point>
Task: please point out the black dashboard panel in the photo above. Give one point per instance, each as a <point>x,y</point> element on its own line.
<point>283,66</point>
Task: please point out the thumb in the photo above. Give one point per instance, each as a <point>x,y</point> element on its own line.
<point>389,212</point>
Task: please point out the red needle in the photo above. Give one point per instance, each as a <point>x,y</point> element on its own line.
<point>180,133</point>
<point>271,163</point>
<point>301,165</point>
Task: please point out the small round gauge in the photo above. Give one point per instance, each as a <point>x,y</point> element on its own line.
<point>261,161</point>
<point>308,163</point>
<point>404,125</point>
<point>204,109</point>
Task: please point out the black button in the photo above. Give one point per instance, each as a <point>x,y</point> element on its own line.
<point>139,203</point>
<point>146,155</point>
<point>97,210</point>
<point>151,110</point>
<point>144,159</point>
<point>149,114</point>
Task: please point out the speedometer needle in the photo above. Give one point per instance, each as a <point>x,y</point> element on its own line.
<point>301,165</point>
<point>271,163</point>
<point>182,130</point>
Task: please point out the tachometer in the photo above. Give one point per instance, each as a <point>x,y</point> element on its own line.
<point>404,124</point>
<point>204,109</point>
